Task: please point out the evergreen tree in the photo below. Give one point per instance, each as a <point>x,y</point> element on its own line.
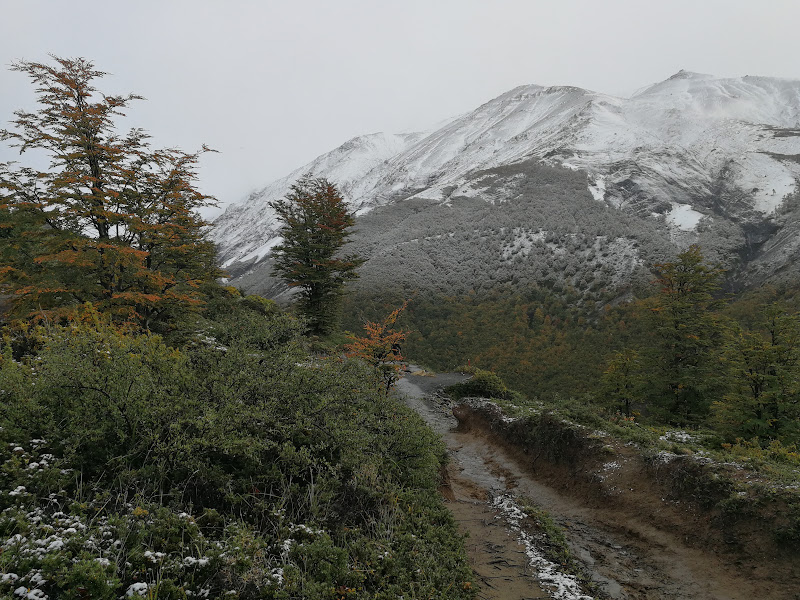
<point>315,226</point>
<point>622,380</point>
<point>685,334</point>
<point>111,222</point>
<point>763,377</point>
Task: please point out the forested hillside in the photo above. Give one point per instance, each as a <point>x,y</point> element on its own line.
<point>682,353</point>
<point>542,230</point>
<point>552,289</point>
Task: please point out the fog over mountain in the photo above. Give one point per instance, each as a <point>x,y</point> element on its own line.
<point>693,158</point>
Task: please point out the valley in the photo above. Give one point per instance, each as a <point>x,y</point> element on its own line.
<point>626,263</point>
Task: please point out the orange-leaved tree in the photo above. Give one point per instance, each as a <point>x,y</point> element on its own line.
<point>380,347</point>
<point>111,221</point>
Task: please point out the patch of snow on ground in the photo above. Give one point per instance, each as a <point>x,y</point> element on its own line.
<point>136,589</point>
<point>561,586</point>
<point>768,178</point>
<point>677,436</point>
<point>483,188</point>
<point>598,188</point>
<point>666,457</point>
<point>683,216</point>
<point>434,193</point>
<point>27,594</point>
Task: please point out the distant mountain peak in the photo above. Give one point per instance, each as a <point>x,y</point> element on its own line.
<point>693,145</point>
<point>684,74</point>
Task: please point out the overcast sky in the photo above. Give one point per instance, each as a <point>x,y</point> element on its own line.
<point>273,84</point>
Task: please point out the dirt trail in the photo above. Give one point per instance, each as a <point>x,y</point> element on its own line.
<point>496,556</point>
<point>627,557</point>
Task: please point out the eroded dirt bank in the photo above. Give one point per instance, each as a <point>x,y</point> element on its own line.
<point>633,542</point>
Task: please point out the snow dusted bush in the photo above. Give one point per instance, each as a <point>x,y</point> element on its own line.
<point>236,469</point>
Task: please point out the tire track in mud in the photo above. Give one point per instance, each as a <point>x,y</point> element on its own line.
<point>496,556</point>
<point>626,556</point>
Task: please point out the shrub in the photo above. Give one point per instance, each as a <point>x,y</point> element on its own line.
<point>483,384</point>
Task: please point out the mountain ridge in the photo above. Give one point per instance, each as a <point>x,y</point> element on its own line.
<point>689,152</point>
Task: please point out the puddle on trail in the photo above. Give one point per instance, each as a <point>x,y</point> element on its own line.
<point>627,558</point>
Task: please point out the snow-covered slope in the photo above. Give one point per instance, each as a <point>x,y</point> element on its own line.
<point>246,230</point>
<point>685,151</point>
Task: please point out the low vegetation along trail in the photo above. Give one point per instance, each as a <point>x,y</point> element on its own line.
<point>624,556</point>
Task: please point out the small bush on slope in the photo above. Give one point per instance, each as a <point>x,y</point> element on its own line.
<point>482,384</point>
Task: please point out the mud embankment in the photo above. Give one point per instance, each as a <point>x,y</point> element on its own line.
<point>667,535</point>
<point>642,528</point>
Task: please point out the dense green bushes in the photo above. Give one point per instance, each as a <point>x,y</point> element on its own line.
<point>482,384</point>
<point>236,466</point>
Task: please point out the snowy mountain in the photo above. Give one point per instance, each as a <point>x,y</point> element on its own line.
<point>691,154</point>
<point>245,231</point>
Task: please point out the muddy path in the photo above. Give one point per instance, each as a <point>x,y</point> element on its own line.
<point>625,555</point>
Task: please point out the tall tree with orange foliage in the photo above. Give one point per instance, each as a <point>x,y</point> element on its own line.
<point>111,222</point>
<point>381,347</point>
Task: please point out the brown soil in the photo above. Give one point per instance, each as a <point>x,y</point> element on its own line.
<point>497,558</point>
<point>634,541</point>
